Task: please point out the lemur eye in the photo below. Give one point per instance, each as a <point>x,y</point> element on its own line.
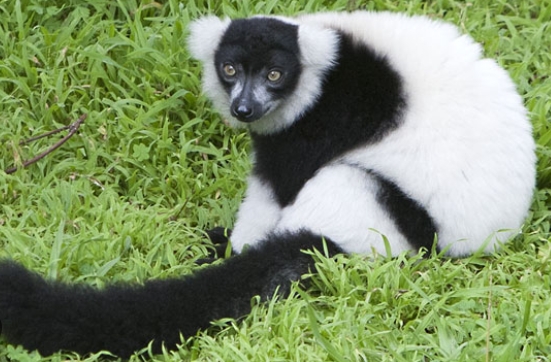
<point>229,70</point>
<point>274,75</point>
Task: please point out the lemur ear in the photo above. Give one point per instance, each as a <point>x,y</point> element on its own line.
<point>318,45</point>
<point>205,35</point>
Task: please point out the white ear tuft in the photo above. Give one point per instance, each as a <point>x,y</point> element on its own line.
<point>205,35</point>
<point>318,45</point>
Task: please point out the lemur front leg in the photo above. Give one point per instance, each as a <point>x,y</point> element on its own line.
<point>257,217</point>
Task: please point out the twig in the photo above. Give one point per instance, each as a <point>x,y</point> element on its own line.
<point>44,135</point>
<point>73,128</point>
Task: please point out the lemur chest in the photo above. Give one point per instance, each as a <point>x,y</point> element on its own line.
<point>287,163</point>
<point>287,160</point>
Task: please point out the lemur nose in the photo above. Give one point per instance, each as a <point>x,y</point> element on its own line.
<point>242,111</point>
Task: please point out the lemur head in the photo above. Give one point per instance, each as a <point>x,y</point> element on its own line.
<point>262,72</point>
<point>258,64</point>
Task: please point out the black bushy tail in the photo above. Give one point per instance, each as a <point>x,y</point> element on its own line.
<point>50,316</point>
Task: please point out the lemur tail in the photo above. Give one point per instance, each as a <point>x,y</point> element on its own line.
<point>49,316</point>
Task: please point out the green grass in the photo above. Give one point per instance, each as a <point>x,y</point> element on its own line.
<point>128,197</point>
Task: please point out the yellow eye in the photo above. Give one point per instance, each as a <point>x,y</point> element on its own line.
<point>274,76</point>
<point>229,70</point>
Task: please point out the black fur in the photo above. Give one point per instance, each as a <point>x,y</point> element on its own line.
<point>413,221</point>
<point>220,239</point>
<point>362,100</point>
<point>272,44</point>
<point>50,316</point>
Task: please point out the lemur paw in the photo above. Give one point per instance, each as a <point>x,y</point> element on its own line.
<point>220,238</point>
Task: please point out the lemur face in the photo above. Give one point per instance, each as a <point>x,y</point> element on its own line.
<point>258,65</point>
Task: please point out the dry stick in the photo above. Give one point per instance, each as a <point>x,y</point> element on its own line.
<point>47,134</point>
<point>73,128</point>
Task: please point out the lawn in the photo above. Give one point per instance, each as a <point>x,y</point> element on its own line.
<point>129,195</point>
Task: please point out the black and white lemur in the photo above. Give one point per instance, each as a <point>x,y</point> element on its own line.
<point>370,131</point>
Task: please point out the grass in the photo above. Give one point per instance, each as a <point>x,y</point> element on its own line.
<point>129,196</point>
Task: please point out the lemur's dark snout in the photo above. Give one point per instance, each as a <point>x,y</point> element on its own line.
<point>243,112</point>
<point>246,110</point>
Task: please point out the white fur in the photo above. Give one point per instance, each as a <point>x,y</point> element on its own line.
<point>340,204</point>
<point>258,215</point>
<point>464,151</point>
<point>205,35</point>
